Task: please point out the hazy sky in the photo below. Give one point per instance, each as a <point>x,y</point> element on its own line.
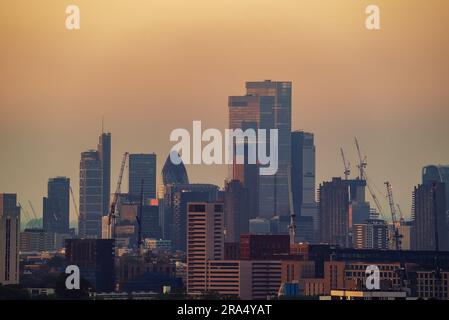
<point>152,66</point>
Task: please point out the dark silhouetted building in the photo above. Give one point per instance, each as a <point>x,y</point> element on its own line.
<point>259,247</point>
<point>142,167</point>
<point>91,195</point>
<point>303,185</point>
<point>9,239</point>
<point>437,173</point>
<point>104,154</point>
<point>266,105</point>
<point>236,210</point>
<point>56,206</point>
<point>175,209</point>
<point>95,259</point>
<point>430,221</point>
<point>172,174</point>
<point>335,219</point>
<point>150,221</point>
<point>360,208</point>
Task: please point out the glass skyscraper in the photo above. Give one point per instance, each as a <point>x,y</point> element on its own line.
<point>303,182</point>
<point>142,167</point>
<point>56,206</point>
<point>266,105</point>
<point>104,153</point>
<point>91,195</point>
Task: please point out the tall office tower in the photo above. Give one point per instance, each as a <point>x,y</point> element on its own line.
<point>142,167</point>
<point>95,259</point>
<point>56,206</point>
<point>430,221</point>
<point>236,216</point>
<point>91,195</point>
<point>360,208</point>
<point>205,242</point>
<point>303,182</point>
<point>266,105</point>
<point>172,174</point>
<point>150,221</point>
<point>439,173</point>
<point>9,239</point>
<point>104,154</point>
<point>373,234</point>
<point>335,217</point>
<point>177,196</point>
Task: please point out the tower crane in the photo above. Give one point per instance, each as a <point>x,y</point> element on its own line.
<point>25,212</point>
<point>362,161</point>
<point>363,176</point>
<point>401,216</point>
<point>139,220</point>
<point>346,165</point>
<point>74,202</point>
<point>397,236</point>
<point>394,217</point>
<point>292,225</point>
<point>32,209</point>
<point>112,215</point>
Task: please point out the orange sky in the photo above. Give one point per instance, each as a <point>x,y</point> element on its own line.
<point>153,66</point>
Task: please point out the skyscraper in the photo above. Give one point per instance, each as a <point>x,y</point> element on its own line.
<point>236,217</point>
<point>95,259</point>
<point>150,221</point>
<point>204,242</point>
<point>303,181</point>
<point>142,167</point>
<point>437,173</point>
<point>91,195</point>
<point>172,174</point>
<point>177,196</point>
<point>266,105</point>
<point>430,222</point>
<point>9,239</point>
<point>104,154</point>
<point>56,206</point>
<point>335,218</point>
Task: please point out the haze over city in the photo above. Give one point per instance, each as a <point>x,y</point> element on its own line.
<point>151,67</point>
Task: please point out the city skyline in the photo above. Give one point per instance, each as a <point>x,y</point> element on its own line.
<point>193,151</point>
<point>334,95</point>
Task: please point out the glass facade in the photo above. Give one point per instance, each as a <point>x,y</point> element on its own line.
<point>91,195</point>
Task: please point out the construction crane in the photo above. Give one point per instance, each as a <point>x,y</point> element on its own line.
<point>397,236</point>
<point>32,209</point>
<point>363,176</point>
<point>346,165</point>
<point>362,161</point>
<point>139,220</point>
<point>26,213</point>
<point>401,216</point>
<point>394,217</point>
<point>74,202</point>
<point>437,268</point>
<point>112,215</point>
<point>292,225</point>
